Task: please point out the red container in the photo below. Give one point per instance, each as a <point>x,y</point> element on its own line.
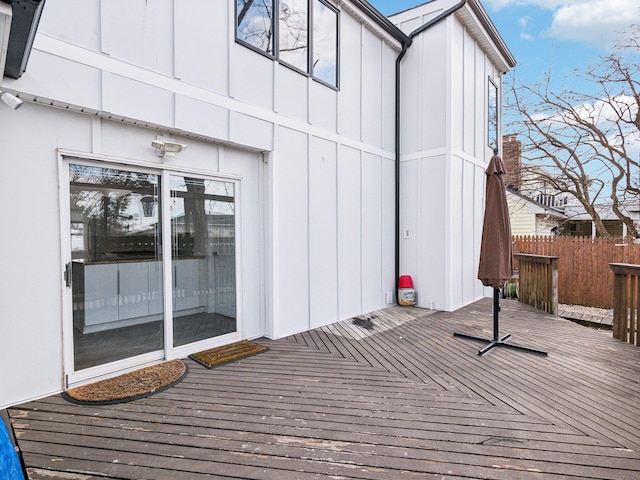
<point>405,282</point>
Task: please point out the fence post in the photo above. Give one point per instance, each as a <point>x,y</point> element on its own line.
<point>554,285</point>
<point>626,302</point>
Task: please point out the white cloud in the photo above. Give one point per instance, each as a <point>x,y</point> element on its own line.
<point>597,22</point>
<point>524,33</point>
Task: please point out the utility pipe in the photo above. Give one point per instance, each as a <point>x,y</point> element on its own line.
<point>405,47</point>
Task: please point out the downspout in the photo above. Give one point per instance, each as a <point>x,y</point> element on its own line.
<point>405,47</point>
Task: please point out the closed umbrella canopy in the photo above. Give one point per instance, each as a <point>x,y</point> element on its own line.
<point>496,250</point>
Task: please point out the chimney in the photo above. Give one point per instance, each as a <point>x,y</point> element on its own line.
<point>512,159</point>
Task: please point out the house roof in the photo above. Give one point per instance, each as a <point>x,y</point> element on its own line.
<point>537,207</point>
<point>381,20</point>
<point>24,22</point>
<point>605,210</point>
<point>492,32</point>
<point>26,16</point>
<point>475,17</point>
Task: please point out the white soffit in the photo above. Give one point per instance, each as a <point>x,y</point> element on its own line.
<point>485,33</point>
<point>369,24</point>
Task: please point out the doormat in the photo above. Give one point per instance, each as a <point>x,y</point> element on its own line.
<point>129,386</point>
<point>227,353</point>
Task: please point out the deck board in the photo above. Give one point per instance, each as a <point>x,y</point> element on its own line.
<point>399,397</point>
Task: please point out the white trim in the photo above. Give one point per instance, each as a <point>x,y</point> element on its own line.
<point>122,161</point>
<point>167,267</point>
<point>263,200</point>
<point>65,256</point>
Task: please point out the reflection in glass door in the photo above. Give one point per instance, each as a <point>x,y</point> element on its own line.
<point>116,265</point>
<point>203,258</point>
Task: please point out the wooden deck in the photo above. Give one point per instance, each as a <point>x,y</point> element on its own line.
<point>397,397</point>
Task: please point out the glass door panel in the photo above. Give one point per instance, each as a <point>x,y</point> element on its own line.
<point>203,259</point>
<point>116,264</point>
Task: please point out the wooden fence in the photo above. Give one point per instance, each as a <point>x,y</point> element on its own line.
<point>584,275</point>
<point>626,302</point>
<point>539,281</point>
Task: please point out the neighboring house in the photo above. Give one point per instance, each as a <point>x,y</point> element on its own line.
<point>529,217</point>
<point>580,224</point>
<point>176,181</point>
<point>537,208</point>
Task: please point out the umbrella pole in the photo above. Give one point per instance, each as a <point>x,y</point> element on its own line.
<point>497,341</point>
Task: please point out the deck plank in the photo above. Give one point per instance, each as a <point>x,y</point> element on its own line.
<point>399,397</point>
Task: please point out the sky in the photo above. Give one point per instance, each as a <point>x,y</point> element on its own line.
<point>559,37</point>
<point>550,35</point>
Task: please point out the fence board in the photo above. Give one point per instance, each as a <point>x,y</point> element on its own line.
<point>584,276</point>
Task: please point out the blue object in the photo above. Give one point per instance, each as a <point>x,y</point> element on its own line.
<point>10,468</point>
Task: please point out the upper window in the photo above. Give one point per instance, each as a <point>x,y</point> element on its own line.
<point>293,33</point>
<point>325,43</point>
<point>304,35</point>
<point>254,23</point>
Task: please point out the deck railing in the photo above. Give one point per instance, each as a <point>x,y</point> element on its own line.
<point>584,275</point>
<point>538,278</point>
<point>626,302</point>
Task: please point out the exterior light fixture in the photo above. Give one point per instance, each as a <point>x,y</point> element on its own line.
<point>11,100</point>
<point>167,147</point>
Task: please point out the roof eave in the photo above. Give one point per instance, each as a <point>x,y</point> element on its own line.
<point>382,21</point>
<point>24,23</point>
<point>493,33</point>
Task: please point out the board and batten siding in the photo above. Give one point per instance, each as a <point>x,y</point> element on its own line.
<point>444,153</point>
<point>316,164</point>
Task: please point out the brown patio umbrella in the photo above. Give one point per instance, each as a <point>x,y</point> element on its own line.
<point>496,252</point>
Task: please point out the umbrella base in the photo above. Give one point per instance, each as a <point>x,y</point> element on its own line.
<point>499,342</point>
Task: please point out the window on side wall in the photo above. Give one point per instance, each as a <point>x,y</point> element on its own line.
<point>304,35</point>
<point>492,115</point>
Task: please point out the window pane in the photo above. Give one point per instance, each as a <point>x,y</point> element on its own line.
<point>325,43</point>
<point>117,264</point>
<point>493,115</point>
<point>203,254</point>
<point>254,21</point>
<point>294,33</point>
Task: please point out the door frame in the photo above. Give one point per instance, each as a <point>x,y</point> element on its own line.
<point>169,352</point>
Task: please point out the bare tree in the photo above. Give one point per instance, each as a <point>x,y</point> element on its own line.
<point>587,142</point>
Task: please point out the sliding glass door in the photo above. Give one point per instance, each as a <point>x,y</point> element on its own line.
<point>116,264</point>
<point>119,279</point>
<point>203,258</point>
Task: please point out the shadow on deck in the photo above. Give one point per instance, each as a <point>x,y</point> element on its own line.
<point>390,396</point>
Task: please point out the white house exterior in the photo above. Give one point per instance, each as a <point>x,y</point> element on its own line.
<point>450,75</point>
<point>279,215</point>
